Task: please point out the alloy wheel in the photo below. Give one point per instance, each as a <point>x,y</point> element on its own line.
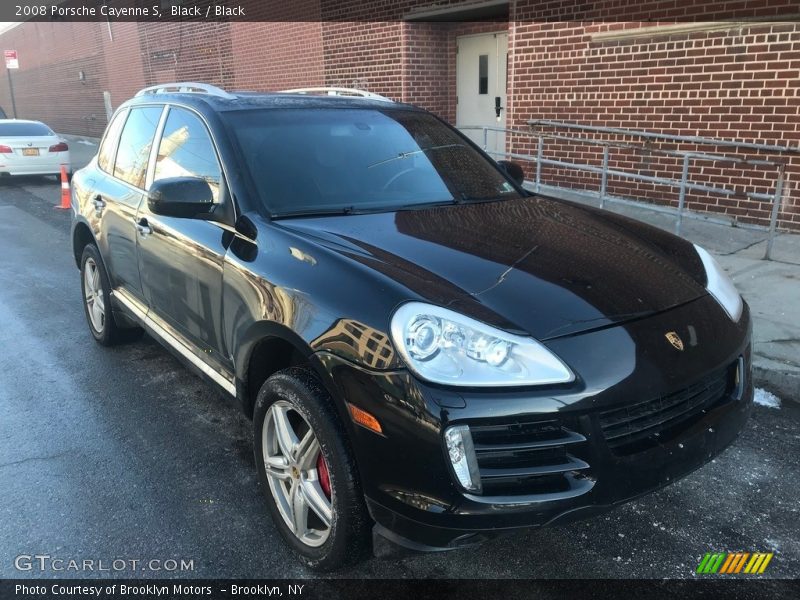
<point>297,473</point>
<point>93,295</point>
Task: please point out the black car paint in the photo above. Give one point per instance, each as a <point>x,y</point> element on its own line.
<point>415,497</point>
<point>598,289</point>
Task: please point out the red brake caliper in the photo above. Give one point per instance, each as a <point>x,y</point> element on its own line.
<point>324,476</point>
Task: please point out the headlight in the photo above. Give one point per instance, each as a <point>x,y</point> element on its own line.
<point>720,285</point>
<point>442,346</point>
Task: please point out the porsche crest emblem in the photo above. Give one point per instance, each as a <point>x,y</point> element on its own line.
<point>674,339</point>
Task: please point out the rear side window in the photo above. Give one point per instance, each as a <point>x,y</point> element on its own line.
<point>135,143</point>
<point>105,156</point>
<point>24,129</point>
<point>186,150</point>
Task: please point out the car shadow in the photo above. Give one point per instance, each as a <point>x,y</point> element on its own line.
<point>19,180</point>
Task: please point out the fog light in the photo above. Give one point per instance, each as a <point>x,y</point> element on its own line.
<point>462,456</point>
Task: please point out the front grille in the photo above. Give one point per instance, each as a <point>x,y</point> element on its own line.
<point>635,427</point>
<point>528,457</point>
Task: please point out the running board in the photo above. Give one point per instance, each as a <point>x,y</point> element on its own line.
<point>139,311</point>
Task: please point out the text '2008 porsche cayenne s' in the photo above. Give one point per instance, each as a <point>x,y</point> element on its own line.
<point>430,354</point>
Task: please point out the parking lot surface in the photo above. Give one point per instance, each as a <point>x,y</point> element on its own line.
<point>122,453</point>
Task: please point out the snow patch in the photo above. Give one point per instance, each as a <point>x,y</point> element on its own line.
<point>765,398</point>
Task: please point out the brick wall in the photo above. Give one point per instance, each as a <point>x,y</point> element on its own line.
<point>187,52</point>
<point>367,55</point>
<point>48,84</point>
<point>125,62</point>
<point>120,58</point>
<point>426,67</point>
<point>283,52</point>
<point>739,83</point>
<point>274,56</point>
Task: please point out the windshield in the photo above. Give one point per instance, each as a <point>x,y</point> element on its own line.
<point>319,161</point>
<point>11,129</point>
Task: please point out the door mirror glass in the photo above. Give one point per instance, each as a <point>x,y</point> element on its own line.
<point>513,170</point>
<point>188,197</point>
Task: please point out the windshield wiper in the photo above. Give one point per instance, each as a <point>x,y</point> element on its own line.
<point>318,212</point>
<point>461,199</point>
<point>402,155</point>
<point>352,210</point>
<point>423,205</point>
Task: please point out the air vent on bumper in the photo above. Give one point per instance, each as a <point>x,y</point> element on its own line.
<point>528,458</point>
<point>635,427</point>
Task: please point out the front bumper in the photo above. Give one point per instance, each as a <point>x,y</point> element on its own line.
<point>640,415</point>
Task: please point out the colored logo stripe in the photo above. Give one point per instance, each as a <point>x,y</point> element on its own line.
<point>734,562</point>
<point>711,562</point>
<point>758,564</point>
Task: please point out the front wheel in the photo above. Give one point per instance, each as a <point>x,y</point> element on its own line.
<point>307,472</point>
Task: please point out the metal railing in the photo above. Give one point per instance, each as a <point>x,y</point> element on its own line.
<point>683,185</point>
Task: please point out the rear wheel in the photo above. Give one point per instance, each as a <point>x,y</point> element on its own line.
<point>97,301</point>
<point>307,471</point>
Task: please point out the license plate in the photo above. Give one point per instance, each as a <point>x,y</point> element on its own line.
<point>30,152</point>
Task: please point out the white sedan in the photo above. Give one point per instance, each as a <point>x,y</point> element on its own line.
<point>31,148</point>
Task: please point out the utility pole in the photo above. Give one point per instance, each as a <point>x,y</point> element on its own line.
<point>11,91</point>
<point>12,62</point>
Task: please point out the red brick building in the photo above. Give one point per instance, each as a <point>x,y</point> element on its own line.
<point>716,68</point>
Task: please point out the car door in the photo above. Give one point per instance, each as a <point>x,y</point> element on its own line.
<point>118,192</point>
<point>181,259</point>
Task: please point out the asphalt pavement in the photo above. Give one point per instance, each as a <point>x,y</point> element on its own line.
<point>123,454</point>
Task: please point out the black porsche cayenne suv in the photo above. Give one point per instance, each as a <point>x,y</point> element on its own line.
<point>430,354</point>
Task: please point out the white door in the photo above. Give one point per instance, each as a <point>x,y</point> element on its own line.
<point>481,87</point>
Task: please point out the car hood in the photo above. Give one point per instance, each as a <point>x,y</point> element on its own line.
<point>534,265</point>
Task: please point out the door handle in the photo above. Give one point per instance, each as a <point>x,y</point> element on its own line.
<point>143,227</point>
<point>99,204</point>
<point>497,107</point>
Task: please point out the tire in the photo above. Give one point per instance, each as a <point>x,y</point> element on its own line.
<point>296,397</point>
<point>104,330</point>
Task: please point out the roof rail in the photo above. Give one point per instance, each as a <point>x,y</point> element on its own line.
<point>186,87</point>
<point>338,91</point>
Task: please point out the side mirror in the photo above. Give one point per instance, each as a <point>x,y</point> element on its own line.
<point>513,170</point>
<point>188,197</point>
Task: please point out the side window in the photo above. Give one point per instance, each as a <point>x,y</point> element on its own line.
<point>135,143</point>
<point>105,156</point>
<point>186,150</point>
